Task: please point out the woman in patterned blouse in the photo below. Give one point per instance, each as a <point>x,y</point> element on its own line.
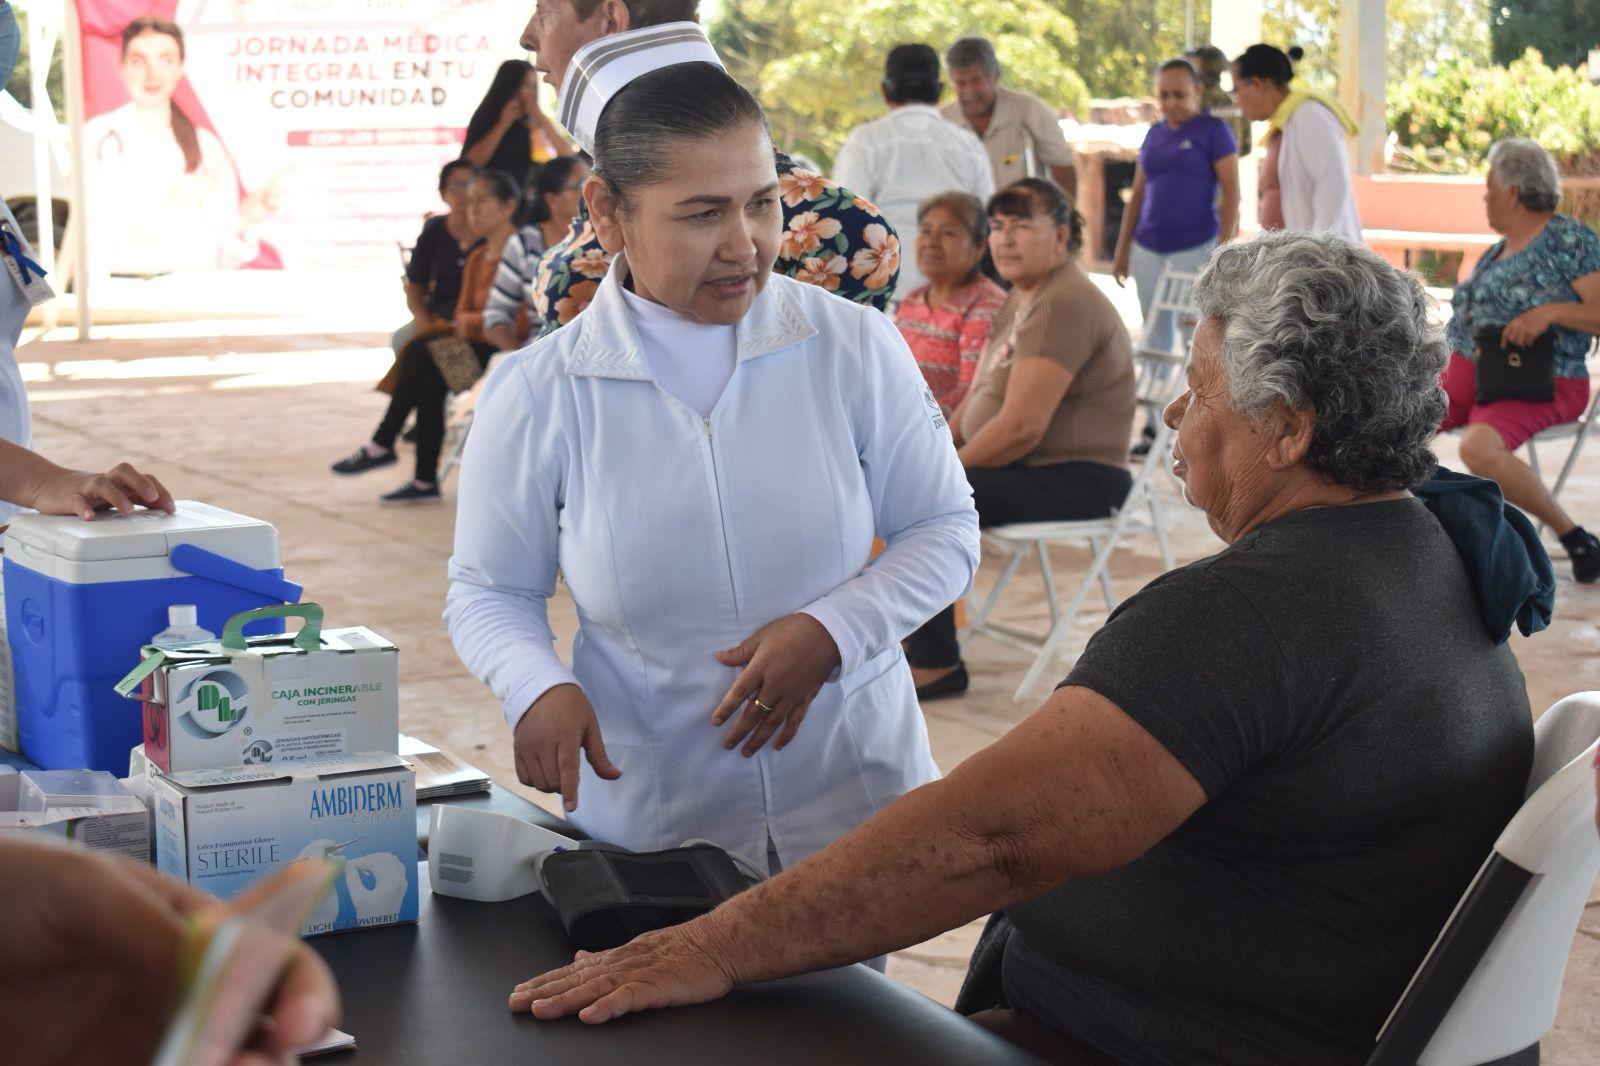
<point>1544,277</point>
<point>832,238</point>
<point>946,321</point>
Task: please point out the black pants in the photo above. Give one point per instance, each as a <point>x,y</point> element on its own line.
<point>1062,492</point>
<point>420,387</point>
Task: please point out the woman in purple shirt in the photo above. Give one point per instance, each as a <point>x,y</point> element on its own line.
<point>1173,215</point>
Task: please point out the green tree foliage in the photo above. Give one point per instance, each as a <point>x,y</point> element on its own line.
<point>1449,119</point>
<point>1562,31</point>
<point>20,84</point>
<point>1423,34</point>
<point>817,67</point>
<point>1122,42</point>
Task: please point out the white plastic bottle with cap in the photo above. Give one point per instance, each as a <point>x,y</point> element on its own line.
<point>182,627</point>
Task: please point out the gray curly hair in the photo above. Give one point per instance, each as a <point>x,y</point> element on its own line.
<point>1524,165</point>
<point>1310,320</point>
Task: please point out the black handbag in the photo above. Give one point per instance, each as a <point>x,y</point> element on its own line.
<point>1515,373</point>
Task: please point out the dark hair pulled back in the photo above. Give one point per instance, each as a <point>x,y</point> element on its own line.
<point>549,180</point>
<point>666,107</point>
<point>1036,196</point>
<point>183,130</point>
<point>1269,63</point>
<point>502,186</point>
<point>1180,64</point>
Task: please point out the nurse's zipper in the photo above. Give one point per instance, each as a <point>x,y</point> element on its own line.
<point>722,519</point>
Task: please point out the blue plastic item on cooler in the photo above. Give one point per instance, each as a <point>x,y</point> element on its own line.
<point>82,599</point>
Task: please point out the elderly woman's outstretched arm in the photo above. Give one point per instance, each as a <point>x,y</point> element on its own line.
<point>1078,788</point>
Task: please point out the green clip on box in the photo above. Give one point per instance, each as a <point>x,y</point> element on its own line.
<point>273,699</point>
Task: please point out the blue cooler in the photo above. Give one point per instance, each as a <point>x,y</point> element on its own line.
<point>82,599</point>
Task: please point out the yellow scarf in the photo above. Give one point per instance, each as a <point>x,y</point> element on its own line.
<point>1291,103</point>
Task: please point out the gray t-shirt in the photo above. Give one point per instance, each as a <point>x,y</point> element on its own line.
<point>1361,740</point>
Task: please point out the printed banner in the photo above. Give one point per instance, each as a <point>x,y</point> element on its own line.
<point>277,134</point>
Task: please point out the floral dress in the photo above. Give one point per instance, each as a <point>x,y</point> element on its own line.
<point>831,238</point>
<point>1503,286</point>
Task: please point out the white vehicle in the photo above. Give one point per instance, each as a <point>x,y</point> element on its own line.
<point>18,183</point>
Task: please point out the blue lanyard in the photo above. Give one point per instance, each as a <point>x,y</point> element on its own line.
<point>13,247</point>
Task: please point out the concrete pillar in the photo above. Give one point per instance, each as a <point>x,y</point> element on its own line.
<point>1362,72</point>
<point>1235,24</point>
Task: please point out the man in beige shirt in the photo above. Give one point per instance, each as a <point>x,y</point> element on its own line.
<point>1019,131</point>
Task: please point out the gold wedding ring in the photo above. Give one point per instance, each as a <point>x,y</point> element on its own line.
<point>762,708</point>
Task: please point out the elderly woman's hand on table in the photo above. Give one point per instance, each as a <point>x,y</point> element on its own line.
<point>671,967</point>
<point>786,663</point>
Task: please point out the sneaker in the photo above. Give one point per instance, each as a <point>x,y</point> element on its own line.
<point>1146,440</point>
<point>360,461</point>
<point>1583,548</point>
<point>952,684</point>
<point>411,492</point>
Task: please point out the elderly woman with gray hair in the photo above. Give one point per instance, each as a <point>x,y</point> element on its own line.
<point>1533,300</point>
<point>1234,830</point>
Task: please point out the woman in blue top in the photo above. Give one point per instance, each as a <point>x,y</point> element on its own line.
<point>1544,277</point>
<point>1173,214</point>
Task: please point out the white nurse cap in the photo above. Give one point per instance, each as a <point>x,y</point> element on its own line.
<point>603,67</point>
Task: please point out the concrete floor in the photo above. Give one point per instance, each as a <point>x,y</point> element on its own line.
<point>247,414</point>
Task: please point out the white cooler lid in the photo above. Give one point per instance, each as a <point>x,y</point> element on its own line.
<point>143,537</point>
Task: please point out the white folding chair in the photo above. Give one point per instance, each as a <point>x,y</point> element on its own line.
<point>459,408</point>
<point>1488,988</point>
<point>1577,432</point>
<point>1159,378</point>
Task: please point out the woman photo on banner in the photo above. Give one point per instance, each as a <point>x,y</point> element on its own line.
<point>164,194</point>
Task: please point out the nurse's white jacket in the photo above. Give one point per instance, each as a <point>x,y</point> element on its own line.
<point>679,536</point>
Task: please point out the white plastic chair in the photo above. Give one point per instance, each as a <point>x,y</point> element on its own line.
<point>459,408</point>
<point>1577,432</point>
<point>1488,988</point>
<point>1159,377</point>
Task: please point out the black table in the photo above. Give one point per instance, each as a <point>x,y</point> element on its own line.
<point>436,992</point>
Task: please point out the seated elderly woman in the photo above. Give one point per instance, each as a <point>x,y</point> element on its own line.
<point>946,322</point>
<point>1540,285</point>
<point>1235,829</point>
<point>1043,433</point>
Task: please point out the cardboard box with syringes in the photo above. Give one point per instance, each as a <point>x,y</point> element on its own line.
<point>273,699</point>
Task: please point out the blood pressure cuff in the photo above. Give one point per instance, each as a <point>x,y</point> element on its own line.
<point>606,896</point>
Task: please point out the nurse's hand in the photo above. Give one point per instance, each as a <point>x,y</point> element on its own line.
<point>665,968</point>
<point>785,665</point>
<point>555,730</point>
<point>122,488</point>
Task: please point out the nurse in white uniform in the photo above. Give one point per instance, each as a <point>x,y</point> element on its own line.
<point>705,454</point>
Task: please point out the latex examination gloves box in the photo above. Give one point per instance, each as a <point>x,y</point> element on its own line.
<point>89,807</point>
<point>257,700</point>
<point>225,830</point>
<point>81,599</point>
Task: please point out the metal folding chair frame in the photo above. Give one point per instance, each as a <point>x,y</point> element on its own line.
<point>1160,377</point>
